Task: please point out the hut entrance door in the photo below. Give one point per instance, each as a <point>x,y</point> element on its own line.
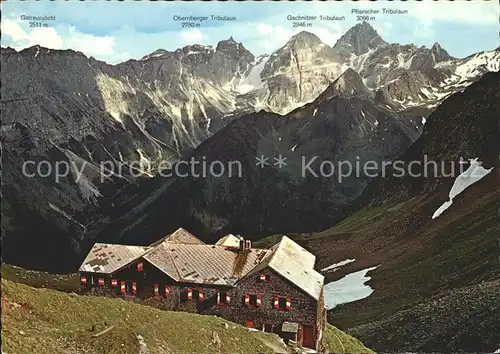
<point>308,336</point>
<point>128,287</point>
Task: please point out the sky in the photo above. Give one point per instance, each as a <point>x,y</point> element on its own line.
<point>117,31</point>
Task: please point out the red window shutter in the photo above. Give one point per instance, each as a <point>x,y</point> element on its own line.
<point>122,287</point>
<point>288,303</point>
<point>140,267</point>
<point>247,299</point>
<point>218,298</point>
<point>134,288</point>
<point>259,300</point>
<point>167,290</point>
<point>100,281</point>
<point>262,277</point>
<point>276,302</point>
<point>190,294</point>
<point>156,289</point>
<point>201,297</point>
<point>83,280</point>
<point>114,283</point>
<point>228,298</point>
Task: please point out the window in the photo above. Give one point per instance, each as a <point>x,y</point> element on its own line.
<point>264,277</point>
<point>195,294</point>
<point>223,298</point>
<point>161,290</point>
<point>253,300</point>
<point>198,294</point>
<point>282,303</point>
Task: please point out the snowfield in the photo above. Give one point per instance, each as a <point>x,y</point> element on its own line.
<point>348,289</point>
<point>473,174</point>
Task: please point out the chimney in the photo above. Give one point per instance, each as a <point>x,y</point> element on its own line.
<point>245,244</point>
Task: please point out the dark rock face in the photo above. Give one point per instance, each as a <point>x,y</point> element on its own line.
<point>466,125</point>
<point>60,107</point>
<point>437,287</point>
<point>338,126</point>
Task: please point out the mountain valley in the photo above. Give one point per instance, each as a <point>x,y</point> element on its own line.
<point>135,116</point>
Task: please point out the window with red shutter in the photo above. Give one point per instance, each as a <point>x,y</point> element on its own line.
<point>140,267</point>
<point>258,300</point>
<point>189,294</point>
<point>264,277</point>
<point>156,289</point>
<point>83,280</point>
<point>167,290</point>
<point>223,298</point>
<point>282,303</point>
<point>253,300</point>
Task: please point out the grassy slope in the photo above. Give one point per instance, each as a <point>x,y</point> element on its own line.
<point>418,257</point>
<point>48,321</point>
<point>421,257</point>
<point>337,341</point>
<point>36,279</point>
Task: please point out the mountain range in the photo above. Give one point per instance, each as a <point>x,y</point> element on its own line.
<point>436,283</point>
<point>361,97</point>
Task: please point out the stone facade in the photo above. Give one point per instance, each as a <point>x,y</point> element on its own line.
<point>252,299</point>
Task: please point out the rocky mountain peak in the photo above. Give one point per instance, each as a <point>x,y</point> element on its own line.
<point>303,52</point>
<point>157,53</point>
<point>347,85</point>
<point>229,44</point>
<point>439,53</point>
<point>359,39</point>
<point>304,39</point>
<point>7,50</point>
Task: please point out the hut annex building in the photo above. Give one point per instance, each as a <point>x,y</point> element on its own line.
<point>274,290</point>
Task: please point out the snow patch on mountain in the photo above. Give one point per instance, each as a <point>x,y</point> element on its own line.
<point>253,79</point>
<point>348,289</point>
<point>474,173</point>
<point>334,267</point>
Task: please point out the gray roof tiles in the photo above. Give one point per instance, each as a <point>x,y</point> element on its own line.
<point>107,258</point>
<point>219,264</point>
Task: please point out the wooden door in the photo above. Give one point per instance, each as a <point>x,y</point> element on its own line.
<point>308,336</point>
